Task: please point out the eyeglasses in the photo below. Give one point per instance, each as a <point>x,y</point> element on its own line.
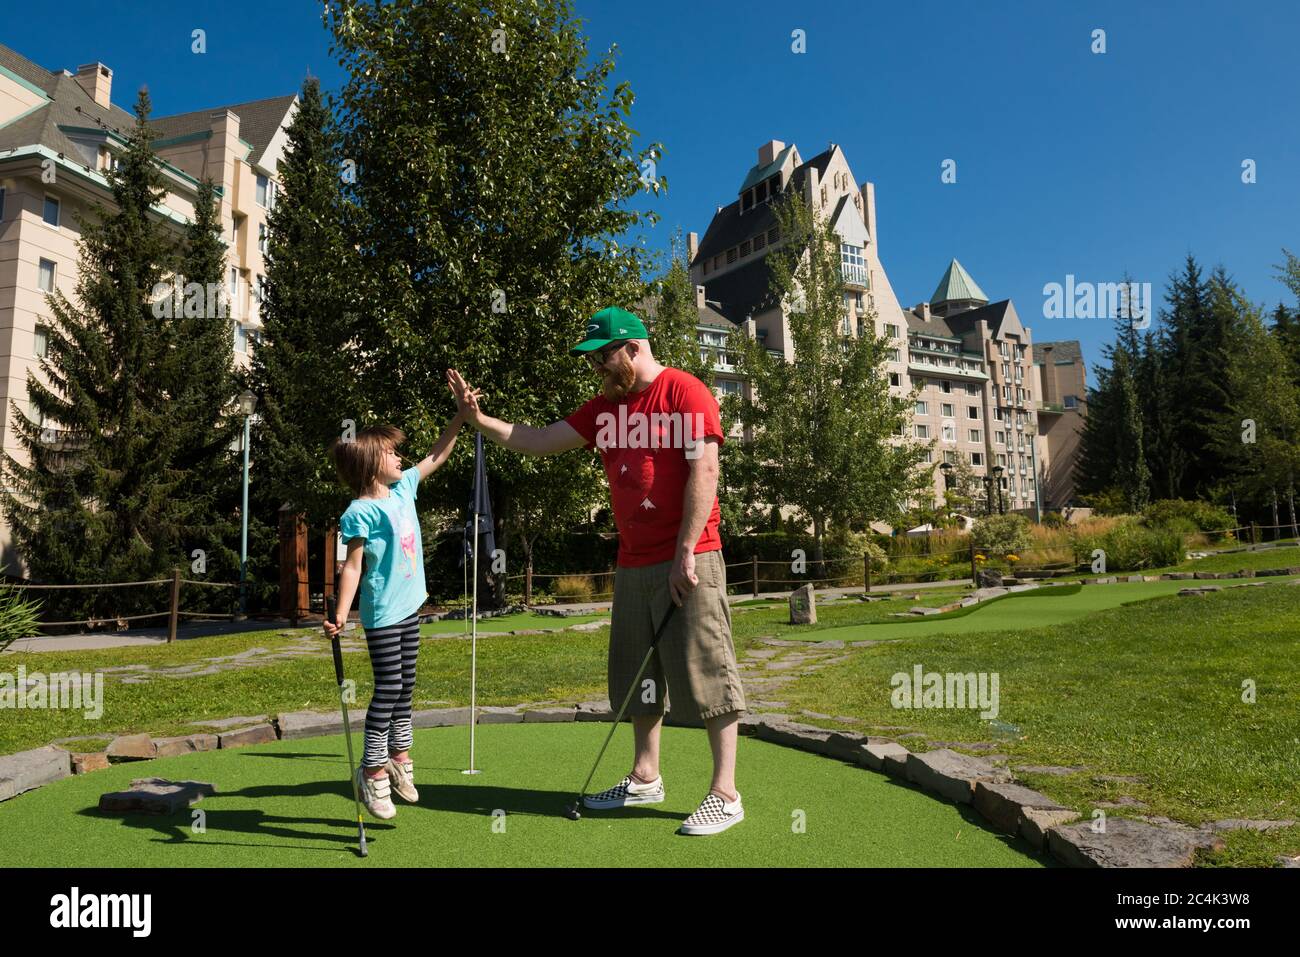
<point>601,356</point>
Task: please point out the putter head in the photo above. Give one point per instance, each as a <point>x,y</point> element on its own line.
<point>572,812</point>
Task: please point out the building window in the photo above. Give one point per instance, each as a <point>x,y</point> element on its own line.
<point>745,248</point>
<point>895,355</point>
<point>263,191</point>
<point>947,408</point>
<point>241,338</point>
<point>895,380</point>
<point>1002,459</point>
<point>760,241</point>
<point>773,234</point>
<point>731,255</point>
<point>51,215</point>
<point>1000,437</point>
<point>891,330</point>
<point>976,435</point>
<point>730,387</point>
<point>922,431</point>
<point>977,458</point>
<point>972,412</point>
<point>262,238</point>
<point>1071,401</point>
<point>45,277</point>
<point>42,346</point>
<point>922,408</point>
<point>945,386</point>
<point>929,455</point>
<point>823,194</point>
<point>261,289</point>
<point>949,433</point>
<point>950,458</point>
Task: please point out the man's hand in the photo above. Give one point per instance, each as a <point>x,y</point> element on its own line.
<point>681,578</point>
<point>466,396</point>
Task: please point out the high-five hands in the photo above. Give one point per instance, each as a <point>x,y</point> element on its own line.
<point>466,396</point>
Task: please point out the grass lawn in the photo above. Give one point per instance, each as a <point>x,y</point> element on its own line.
<point>1152,690</point>
<point>521,622</point>
<point>288,804</point>
<point>1237,561</point>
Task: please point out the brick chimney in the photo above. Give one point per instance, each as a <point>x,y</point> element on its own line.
<point>922,311</point>
<point>768,152</point>
<point>97,80</point>
<point>692,247</point>
<point>699,297</point>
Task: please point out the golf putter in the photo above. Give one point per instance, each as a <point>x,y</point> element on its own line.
<point>573,812</point>
<point>347,725</point>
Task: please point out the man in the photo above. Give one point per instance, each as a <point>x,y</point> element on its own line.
<point>657,430</point>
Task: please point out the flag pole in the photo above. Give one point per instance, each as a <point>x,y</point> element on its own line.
<point>473,671</point>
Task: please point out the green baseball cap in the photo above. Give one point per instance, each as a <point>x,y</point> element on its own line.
<point>609,325</point>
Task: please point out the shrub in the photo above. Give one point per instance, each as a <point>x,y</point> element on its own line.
<point>1129,546</point>
<point>570,588</point>
<point>1202,516</point>
<point>1000,534</point>
<point>17,617</point>
<point>1054,520</point>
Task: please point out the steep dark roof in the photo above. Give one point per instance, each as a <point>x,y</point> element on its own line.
<point>963,323</point>
<point>729,228</point>
<point>934,326</point>
<point>69,105</point>
<point>1063,350</point>
<point>258,121</point>
<point>646,309</point>
<point>741,292</point>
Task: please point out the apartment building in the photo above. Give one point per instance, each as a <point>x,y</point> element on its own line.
<point>1063,384</point>
<point>60,132</point>
<point>969,361</point>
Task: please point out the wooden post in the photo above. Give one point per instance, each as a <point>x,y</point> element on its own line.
<point>755,574</point>
<point>1254,533</point>
<point>331,559</point>
<point>528,584</point>
<point>176,604</point>
<point>974,578</point>
<point>866,573</point>
<point>293,565</point>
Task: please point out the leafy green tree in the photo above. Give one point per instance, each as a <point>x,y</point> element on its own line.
<point>495,174</point>
<point>674,318</point>
<point>823,427</point>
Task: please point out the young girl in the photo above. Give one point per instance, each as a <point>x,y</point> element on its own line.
<point>381,528</point>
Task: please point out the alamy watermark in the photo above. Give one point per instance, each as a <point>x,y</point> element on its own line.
<point>656,430</point>
<point>1101,300</point>
<point>934,689</point>
<point>63,690</point>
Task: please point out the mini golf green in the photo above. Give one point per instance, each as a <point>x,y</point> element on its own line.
<point>288,804</point>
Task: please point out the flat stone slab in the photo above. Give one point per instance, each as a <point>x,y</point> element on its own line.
<point>28,770</point>
<point>257,734</point>
<point>187,744</point>
<point>240,722</point>
<point>1003,804</point>
<point>594,711</point>
<point>550,715</point>
<point>1126,843</point>
<point>1240,824</point>
<point>132,747</point>
<point>439,717</point>
<point>492,715</point>
<point>588,626</point>
<point>874,755</point>
<point>91,761</point>
<point>155,796</point>
<point>309,724</point>
<point>1037,823</point>
<point>1204,590</point>
<point>952,775</point>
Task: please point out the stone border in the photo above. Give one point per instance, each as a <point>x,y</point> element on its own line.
<point>1008,807</point>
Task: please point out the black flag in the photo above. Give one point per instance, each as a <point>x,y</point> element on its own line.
<point>479,502</point>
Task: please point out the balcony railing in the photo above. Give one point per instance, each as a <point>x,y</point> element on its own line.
<point>854,274</point>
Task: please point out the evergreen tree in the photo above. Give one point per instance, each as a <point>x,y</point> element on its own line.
<point>673,337</point>
<point>102,498</point>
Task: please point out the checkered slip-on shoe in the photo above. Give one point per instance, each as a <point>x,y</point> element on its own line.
<point>375,796</point>
<point>713,816</point>
<point>625,793</point>
<point>402,776</point>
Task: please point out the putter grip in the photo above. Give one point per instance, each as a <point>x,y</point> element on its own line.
<point>334,642</point>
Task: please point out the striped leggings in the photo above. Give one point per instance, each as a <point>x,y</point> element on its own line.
<point>393,653</point>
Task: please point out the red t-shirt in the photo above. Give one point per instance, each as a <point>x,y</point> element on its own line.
<point>647,441</point>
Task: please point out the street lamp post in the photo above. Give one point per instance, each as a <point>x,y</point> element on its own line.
<point>1032,432</point>
<point>247,405</point>
<point>997,481</point>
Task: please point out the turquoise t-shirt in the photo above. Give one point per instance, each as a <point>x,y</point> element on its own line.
<point>392,583</point>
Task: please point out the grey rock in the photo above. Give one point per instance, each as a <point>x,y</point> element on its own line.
<point>549,715</point>
<point>594,711</point>
<point>186,744</point>
<point>803,606</point>
<point>988,578</point>
<point>440,717</point>
<point>1002,804</point>
<point>28,770</point>
<point>874,754</point>
<point>132,747</point>
<point>491,715</point>
<point>1240,824</point>
<point>257,734</point>
<point>155,796</point>
<point>1035,823</point>
<point>309,724</point>
<point>240,722</point>
<point>1126,843</point>
<point>951,775</point>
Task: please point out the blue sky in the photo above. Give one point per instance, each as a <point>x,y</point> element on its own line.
<point>1067,161</point>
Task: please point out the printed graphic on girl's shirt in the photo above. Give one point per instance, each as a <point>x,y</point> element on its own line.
<point>408,545</point>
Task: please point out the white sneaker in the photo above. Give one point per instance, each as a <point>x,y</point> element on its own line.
<point>625,793</point>
<point>402,776</point>
<point>714,815</point>
<point>375,795</point>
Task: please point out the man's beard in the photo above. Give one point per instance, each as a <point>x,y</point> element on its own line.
<point>618,381</point>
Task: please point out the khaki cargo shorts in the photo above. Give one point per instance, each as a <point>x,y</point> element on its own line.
<point>695,654</point>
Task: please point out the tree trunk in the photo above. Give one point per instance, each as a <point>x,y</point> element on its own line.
<point>1276,523</point>
<point>819,529</point>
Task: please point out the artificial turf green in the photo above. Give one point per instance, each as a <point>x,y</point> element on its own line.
<point>288,804</point>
